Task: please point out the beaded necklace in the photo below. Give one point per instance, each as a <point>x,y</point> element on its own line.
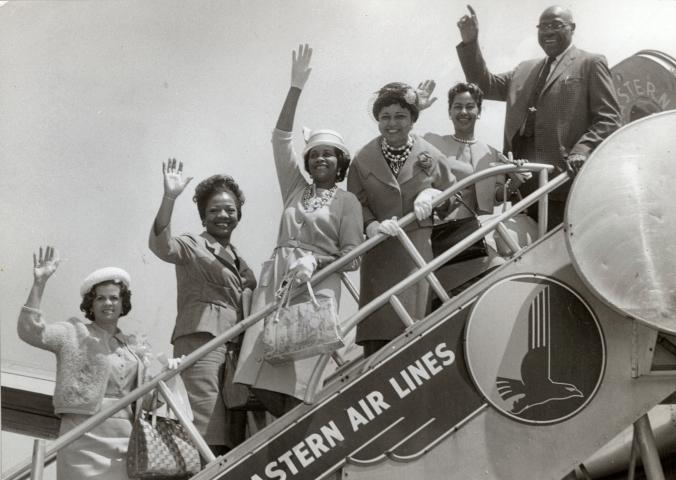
<point>467,141</point>
<point>396,157</point>
<point>311,201</point>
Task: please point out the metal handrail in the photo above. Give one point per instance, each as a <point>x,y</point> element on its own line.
<point>21,471</point>
<point>436,263</point>
<point>439,261</point>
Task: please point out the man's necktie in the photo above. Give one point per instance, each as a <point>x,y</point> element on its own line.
<point>529,126</point>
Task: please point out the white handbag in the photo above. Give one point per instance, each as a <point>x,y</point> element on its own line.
<point>301,330</point>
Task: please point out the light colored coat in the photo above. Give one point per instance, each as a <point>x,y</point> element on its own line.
<point>334,229</point>
<point>382,196</point>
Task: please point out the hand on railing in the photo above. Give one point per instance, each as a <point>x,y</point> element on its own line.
<point>422,206</point>
<point>372,229</point>
<point>303,268</point>
<point>518,178</point>
<point>173,363</point>
<point>389,227</point>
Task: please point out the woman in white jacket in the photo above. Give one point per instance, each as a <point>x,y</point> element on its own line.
<point>96,364</point>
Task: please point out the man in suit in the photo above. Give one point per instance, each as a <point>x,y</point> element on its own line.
<point>559,108</point>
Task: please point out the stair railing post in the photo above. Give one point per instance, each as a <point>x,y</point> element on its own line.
<point>38,465</point>
<point>543,204</point>
<point>420,263</point>
<point>633,457</point>
<point>195,436</point>
<point>649,453</point>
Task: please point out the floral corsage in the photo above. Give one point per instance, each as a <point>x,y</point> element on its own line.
<point>424,162</point>
<point>411,96</point>
<point>141,348</point>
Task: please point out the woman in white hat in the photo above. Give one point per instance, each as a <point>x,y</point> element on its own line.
<point>320,223</point>
<point>96,364</point>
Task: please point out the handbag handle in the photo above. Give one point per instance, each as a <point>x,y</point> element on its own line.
<point>154,405</point>
<point>284,294</point>
<point>312,294</point>
<point>506,190</point>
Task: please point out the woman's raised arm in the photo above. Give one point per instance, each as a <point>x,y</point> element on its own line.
<point>174,184</point>
<point>300,72</point>
<point>45,264</point>
<point>31,326</point>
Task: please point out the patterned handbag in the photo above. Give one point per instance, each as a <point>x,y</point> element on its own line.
<point>160,448</point>
<point>301,330</point>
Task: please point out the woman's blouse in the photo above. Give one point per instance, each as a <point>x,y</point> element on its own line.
<point>465,159</point>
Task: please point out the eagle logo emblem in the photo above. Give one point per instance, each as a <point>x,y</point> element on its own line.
<point>535,349</point>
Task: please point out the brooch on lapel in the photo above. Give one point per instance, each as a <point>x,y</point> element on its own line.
<point>141,348</point>
<point>425,162</point>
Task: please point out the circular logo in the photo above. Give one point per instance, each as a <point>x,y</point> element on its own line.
<point>535,349</point>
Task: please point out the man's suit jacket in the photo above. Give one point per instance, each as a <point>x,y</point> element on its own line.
<point>576,111</point>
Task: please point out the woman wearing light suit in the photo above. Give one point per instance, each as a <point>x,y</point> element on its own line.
<point>466,155</point>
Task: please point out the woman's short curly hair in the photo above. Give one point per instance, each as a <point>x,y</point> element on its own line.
<point>217,184</point>
<point>88,299</point>
<point>396,93</point>
<point>462,87</point>
<point>343,163</point>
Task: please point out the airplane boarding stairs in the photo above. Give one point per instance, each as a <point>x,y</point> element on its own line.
<point>523,375</point>
<point>415,412</point>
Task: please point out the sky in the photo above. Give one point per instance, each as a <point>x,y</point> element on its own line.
<point>94,95</point>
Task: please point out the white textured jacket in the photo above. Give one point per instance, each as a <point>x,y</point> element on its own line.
<point>82,366</point>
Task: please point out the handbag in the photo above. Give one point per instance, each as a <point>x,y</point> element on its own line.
<point>447,235</point>
<point>301,330</point>
<point>159,447</point>
<point>236,396</point>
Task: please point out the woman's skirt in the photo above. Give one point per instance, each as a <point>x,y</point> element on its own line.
<point>101,453</point>
<point>204,384</point>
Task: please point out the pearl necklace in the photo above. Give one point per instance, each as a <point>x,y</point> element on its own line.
<point>312,202</point>
<point>464,140</point>
<point>396,157</point>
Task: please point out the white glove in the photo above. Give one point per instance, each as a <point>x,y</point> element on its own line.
<point>372,229</point>
<point>304,267</point>
<point>422,206</point>
<point>170,363</point>
<point>173,363</point>
<point>389,227</point>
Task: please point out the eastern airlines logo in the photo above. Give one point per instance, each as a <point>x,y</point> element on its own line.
<point>535,349</point>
